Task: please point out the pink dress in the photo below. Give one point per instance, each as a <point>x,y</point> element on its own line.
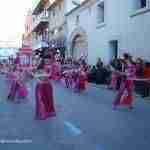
<point>44,100</point>
<point>22,90</point>
<point>82,80</point>
<point>13,86</point>
<point>18,88</point>
<point>114,79</point>
<point>125,93</point>
<point>55,71</point>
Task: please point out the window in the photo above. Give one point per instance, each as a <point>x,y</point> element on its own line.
<point>143,3</point>
<point>140,4</point>
<point>113,46</point>
<point>140,7</point>
<point>100,12</point>
<point>77,19</point>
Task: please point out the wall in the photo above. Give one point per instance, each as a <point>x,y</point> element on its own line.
<point>132,32</point>
<point>58,21</point>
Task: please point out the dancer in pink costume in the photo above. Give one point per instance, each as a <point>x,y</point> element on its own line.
<point>126,85</point>
<point>82,79</point>
<point>13,85</point>
<point>55,71</point>
<point>22,89</point>
<point>44,97</point>
<point>18,88</point>
<point>115,67</point>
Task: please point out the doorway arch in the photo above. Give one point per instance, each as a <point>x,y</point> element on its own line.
<point>79,43</point>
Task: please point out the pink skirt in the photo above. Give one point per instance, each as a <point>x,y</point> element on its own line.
<point>44,100</point>
<point>13,90</point>
<point>22,91</point>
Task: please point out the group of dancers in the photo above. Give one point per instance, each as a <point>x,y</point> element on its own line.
<point>123,77</point>
<point>73,75</point>
<point>17,79</point>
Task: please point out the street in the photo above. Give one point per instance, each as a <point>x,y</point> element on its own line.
<point>84,121</point>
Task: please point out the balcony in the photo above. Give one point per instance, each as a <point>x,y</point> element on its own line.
<point>40,21</point>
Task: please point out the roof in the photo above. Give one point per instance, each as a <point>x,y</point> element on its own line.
<point>77,7</point>
<point>53,3</point>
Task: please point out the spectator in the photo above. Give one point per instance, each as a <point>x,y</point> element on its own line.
<point>99,63</point>
<point>139,85</point>
<point>100,73</point>
<point>92,75</point>
<point>146,91</point>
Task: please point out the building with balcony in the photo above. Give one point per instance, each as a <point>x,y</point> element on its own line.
<point>40,17</point>
<point>49,24</point>
<point>57,25</point>
<point>108,28</point>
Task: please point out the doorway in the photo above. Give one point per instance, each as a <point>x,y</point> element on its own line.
<point>113,45</point>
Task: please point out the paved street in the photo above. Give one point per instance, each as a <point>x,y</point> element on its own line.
<point>84,122</point>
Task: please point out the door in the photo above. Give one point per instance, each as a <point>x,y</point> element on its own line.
<point>113,45</point>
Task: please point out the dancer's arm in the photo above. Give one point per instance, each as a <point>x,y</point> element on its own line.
<point>142,79</point>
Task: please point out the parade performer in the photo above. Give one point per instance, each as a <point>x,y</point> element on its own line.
<point>22,88</point>
<point>65,76</point>
<point>13,85</point>
<point>127,85</point>
<point>115,66</point>
<point>82,79</point>
<point>56,71</point>
<point>44,96</point>
<point>18,88</point>
<point>47,67</point>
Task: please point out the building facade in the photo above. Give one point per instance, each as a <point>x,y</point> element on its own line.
<point>57,26</point>
<point>49,24</point>
<point>108,28</point>
<point>40,17</point>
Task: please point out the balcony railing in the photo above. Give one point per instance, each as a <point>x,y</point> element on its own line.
<point>41,18</point>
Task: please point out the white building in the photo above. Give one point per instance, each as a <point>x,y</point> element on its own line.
<point>108,28</point>
<point>57,23</point>
<point>49,24</point>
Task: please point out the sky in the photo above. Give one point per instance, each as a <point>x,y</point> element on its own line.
<point>12,16</point>
<point>12,19</point>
